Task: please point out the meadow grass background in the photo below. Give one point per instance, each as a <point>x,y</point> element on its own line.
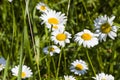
<point>22,39</point>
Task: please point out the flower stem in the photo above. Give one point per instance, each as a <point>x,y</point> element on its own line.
<point>58,65</point>
<point>91,24</point>
<point>20,61</point>
<point>90,62</point>
<point>6,69</point>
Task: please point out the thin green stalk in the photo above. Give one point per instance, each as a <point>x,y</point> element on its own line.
<point>26,34</point>
<point>49,57</point>
<point>20,62</point>
<point>38,71</point>
<point>76,52</point>
<point>37,56</point>
<point>68,7</point>
<point>58,67</point>
<point>6,68</point>
<point>112,61</point>
<point>64,60</point>
<point>31,32</point>
<point>14,31</point>
<point>87,13</point>
<point>48,67</point>
<point>14,21</point>
<point>53,61</point>
<point>4,13</point>
<point>99,59</point>
<point>37,45</point>
<point>90,62</point>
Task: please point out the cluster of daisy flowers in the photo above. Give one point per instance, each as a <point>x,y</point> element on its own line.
<point>56,21</point>
<point>25,73</point>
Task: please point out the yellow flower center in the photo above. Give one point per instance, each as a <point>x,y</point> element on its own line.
<point>79,67</point>
<point>106,28</point>
<point>42,8</point>
<point>61,37</point>
<point>68,79</point>
<point>51,49</point>
<point>23,74</point>
<point>53,20</point>
<point>86,36</point>
<point>103,79</point>
<point>55,27</point>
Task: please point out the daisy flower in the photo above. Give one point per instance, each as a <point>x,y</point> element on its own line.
<point>2,63</point>
<point>51,17</point>
<point>79,67</point>
<point>51,50</point>
<point>42,7</point>
<point>103,76</point>
<point>60,37</point>
<point>87,38</point>
<point>10,0</point>
<point>26,71</point>
<point>57,27</point>
<point>69,78</point>
<point>104,26</point>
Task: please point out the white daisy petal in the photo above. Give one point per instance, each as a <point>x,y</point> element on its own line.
<point>114,28</point>
<point>10,0</point>
<point>103,37</point>
<point>112,35</point>
<point>79,67</point>
<point>103,76</point>
<point>104,27</point>
<point>87,38</point>
<point>53,18</point>
<point>110,20</point>
<point>42,7</point>
<point>26,71</point>
<point>56,27</point>
<point>51,50</point>
<point>60,37</point>
<point>69,77</point>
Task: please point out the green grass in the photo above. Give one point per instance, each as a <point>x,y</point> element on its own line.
<point>22,39</point>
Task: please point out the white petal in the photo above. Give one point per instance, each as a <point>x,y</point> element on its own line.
<point>112,35</point>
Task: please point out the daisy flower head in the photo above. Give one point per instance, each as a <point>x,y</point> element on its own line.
<point>51,17</point>
<point>42,7</point>
<point>60,37</point>
<point>79,67</point>
<point>57,27</point>
<point>10,0</point>
<point>26,71</point>
<point>104,27</point>
<point>103,76</point>
<point>51,50</point>
<point>69,78</point>
<point>87,38</point>
<point>2,63</point>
